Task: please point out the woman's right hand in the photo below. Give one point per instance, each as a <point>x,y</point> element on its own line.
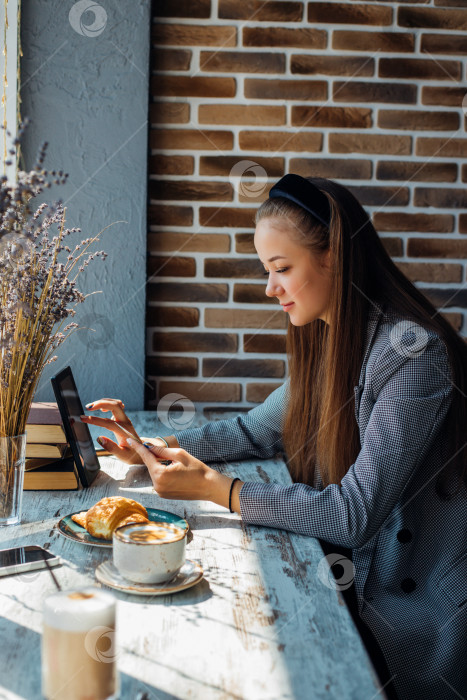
<point>120,449</point>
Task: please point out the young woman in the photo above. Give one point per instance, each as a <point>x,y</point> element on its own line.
<point>373,424</point>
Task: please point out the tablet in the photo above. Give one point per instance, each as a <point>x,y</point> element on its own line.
<point>77,433</point>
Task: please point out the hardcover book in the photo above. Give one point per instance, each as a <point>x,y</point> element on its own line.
<point>44,424</point>
<point>56,476</point>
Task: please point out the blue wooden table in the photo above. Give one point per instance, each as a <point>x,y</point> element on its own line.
<point>265,623</point>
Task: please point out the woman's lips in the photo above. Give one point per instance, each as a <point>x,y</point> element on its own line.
<point>286,307</point>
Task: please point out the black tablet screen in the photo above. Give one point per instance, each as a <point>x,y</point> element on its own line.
<point>78,433</point>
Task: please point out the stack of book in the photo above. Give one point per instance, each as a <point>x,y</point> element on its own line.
<point>49,462</point>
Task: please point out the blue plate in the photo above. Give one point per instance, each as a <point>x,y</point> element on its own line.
<point>75,532</point>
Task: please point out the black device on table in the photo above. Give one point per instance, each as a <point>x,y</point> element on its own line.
<point>77,433</point>
<point>21,559</point>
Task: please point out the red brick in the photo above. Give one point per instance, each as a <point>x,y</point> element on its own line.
<point>342,168</point>
<point>444,96</point>
<point>167,316</point>
<point>202,391</point>
<point>332,65</point>
<point>420,69</point>
<point>417,120</point>
<point>186,291</point>
<point>381,196</point>
<point>397,42</point>
<point>444,43</point>
<point>258,10</point>
<point>195,342</point>
<point>442,298</point>
<point>437,248</point>
<point>242,62</point>
<point>430,17</point>
<point>192,86</point>
<point>264,343</point>
<point>226,216</point>
<point>462,223</point>
<point>171,366</point>
<point>280,141</point>
<point>252,294</point>
<point>278,37</point>
<point>183,8</point>
<point>169,113</point>
<point>426,223</point>
<point>393,246</point>
<point>450,3</point>
<point>441,147</point>
<point>338,117</point>
<point>193,35</point>
<point>416,171</point>
<point>244,243</point>
<point>255,88</point>
<point>355,91</point>
<point>244,318</point>
<point>456,320</point>
<point>448,197</point>
<point>222,165</point>
<point>190,189</point>
<point>346,13</point>
<point>189,139</point>
<point>170,59</point>
<point>257,393</point>
<point>165,215</point>
<point>173,266</point>
<point>388,144</point>
<point>431,272</point>
<point>252,191</point>
<point>233,268</point>
<point>171,165</point>
<point>259,115</point>
<point>464,172</point>
<point>231,367</point>
<point>188,242</point>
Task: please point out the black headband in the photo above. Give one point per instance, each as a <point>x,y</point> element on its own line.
<point>302,192</point>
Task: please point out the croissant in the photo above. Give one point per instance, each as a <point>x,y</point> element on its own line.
<point>109,513</point>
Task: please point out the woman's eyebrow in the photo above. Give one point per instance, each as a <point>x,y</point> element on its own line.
<point>277,257</point>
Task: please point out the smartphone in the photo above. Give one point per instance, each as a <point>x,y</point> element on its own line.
<point>28,558</point>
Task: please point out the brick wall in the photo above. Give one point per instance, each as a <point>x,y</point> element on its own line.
<point>244,91</point>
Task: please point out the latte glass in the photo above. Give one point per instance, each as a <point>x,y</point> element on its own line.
<point>78,646</point>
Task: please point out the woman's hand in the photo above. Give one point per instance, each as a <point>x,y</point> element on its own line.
<point>186,478</point>
<point>120,449</point>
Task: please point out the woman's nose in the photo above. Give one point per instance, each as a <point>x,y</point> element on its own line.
<point>273,289</point>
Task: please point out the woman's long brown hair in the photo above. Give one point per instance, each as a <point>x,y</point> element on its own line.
<point>324,360</point>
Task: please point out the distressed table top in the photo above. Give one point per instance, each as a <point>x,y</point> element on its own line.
<point>261,625</point>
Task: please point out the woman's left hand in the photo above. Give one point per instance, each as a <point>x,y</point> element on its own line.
<point>186,478</point>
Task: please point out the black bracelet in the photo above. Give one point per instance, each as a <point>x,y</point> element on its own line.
<point>230,492</point>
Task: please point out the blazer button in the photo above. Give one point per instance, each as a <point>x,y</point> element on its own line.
<point>404,535</point>
<point>408,585</point>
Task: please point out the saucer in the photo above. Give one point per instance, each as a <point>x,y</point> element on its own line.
<point>68,528</point>
<point>188,576</point>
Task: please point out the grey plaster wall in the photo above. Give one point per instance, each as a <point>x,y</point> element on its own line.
<point>84,85</point>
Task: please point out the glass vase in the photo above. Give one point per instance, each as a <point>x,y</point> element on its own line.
<point>12,463</point>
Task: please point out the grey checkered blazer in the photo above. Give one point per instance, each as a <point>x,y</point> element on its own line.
<point>409,547</point>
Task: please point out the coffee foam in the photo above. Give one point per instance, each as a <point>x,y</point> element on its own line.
<point>150,533</point>
<point>80,610</point>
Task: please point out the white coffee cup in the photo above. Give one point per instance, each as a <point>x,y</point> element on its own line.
<point>149,552</point>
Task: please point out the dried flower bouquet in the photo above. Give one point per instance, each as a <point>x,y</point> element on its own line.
<point>37,289</point>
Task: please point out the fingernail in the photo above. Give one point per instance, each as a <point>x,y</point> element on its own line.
<point>101,441</point>
<point>83,417</point>
<point>130,441</point>
<point>89,405</point>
